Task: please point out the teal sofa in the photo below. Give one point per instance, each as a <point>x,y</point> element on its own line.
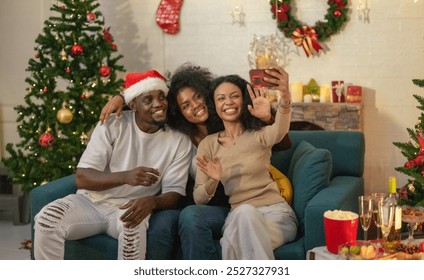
<point>326,170</point>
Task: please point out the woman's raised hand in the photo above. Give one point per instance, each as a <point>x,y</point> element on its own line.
<point>115,104</point>
<point>261,107</point>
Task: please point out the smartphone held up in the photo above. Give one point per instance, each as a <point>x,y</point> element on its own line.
<point>257,81</point>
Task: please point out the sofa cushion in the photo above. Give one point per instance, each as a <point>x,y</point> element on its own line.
<point>283,184</point>
<point>310,171</point>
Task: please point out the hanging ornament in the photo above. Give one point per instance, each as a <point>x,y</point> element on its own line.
<point>168,15</point>
<point>104,71</point>
<point>63,55</point>
<point>45,89</point>
<point>64,115</point>
<point>84,138</point>
<point>46,139</point>
<point>37,55</point>
<point>76,49</point>
<point>67,70</point>
<point>91,17</point>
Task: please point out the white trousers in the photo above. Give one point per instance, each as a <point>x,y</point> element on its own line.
<point>75,217</point>
<point>251,233</point>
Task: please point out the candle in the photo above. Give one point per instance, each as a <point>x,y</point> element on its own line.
<point>325,93</point>
<point>307,98</point>
<point>296,90</point>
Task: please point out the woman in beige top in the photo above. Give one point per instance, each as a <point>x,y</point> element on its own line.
<point>260,219</point>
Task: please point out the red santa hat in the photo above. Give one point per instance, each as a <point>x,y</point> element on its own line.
<point>139,83</point>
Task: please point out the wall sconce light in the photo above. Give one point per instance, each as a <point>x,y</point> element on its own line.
<point>238,15</point>
<point>363,11</point>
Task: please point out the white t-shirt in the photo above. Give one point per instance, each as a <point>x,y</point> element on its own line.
<point>119,145</point>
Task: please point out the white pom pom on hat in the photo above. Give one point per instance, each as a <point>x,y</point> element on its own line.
<point>142,82</point>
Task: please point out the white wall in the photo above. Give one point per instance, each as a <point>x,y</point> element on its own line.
<point>382,56</point>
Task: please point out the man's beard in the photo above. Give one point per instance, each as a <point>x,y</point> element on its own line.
<point>160,124</point>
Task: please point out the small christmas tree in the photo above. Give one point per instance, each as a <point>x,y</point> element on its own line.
<point>412,193</point>
<point>72,75</point>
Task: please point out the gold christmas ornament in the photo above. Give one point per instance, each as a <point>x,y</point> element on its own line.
<point>64,115</point>
<point>84,138</point>
<point>63,55</point>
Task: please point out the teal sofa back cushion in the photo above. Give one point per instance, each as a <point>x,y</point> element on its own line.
<point>309,172</point>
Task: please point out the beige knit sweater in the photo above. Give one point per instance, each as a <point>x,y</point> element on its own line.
<point>245,165</point>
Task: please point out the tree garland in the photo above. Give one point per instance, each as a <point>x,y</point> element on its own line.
<point>304,35</point>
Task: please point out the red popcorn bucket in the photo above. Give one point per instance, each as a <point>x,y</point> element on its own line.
<point>340,227</point>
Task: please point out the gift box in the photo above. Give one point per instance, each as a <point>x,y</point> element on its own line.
<point>338,91</point>
<point>354,94</point>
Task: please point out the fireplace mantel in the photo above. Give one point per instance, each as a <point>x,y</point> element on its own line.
<point>330,116</point>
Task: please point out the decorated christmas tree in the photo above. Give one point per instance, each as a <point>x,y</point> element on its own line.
<point>73,72</point>
<point>412,193</point>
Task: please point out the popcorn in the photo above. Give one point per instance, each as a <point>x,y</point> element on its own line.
<point>340,215</point>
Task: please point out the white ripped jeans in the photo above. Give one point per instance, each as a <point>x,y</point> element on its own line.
<point>75,217</point>
<point>251,233</point>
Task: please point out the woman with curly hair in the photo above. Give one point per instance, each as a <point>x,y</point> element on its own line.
<point>191,111</point>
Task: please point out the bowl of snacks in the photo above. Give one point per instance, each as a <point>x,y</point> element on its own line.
<point>359,250</point>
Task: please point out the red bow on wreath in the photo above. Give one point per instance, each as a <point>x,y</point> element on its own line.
<point>306,37</point>
<point>419,159</point>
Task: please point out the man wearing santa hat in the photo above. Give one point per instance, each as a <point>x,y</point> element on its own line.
<point>132,166</point>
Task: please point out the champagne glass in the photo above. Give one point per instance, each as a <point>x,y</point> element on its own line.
<point>387,214</point>
<point>365,213</point>
<point>376,217</point>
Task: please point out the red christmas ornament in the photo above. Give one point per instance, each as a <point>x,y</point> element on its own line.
<point>83,96</point>
<point>68,70</point>
<point>46,140</point>
<point>337,13</point>
<point>113,46</point>
<point>91,17</point>
<point>419,159</point>
<point>104,71</point>
<point>45,89</point>
<point>37,55</point>
<point>168,15</point>
<point>76,49</point>
<point>62,7</point>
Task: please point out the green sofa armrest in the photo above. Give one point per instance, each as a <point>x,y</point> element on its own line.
<point>342,194</point>
<point>47,193</point>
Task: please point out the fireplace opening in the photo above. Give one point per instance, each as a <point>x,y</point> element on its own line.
<point>304,125</point>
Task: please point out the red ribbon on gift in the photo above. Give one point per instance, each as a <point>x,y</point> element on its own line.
<point>308,39</point>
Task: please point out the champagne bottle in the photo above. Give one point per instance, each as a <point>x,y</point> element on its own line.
<point>392,199</point>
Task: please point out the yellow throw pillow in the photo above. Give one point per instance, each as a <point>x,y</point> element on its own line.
<point>283,184</point>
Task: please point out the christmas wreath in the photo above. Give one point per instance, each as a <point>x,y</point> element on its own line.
<point>309,36</point>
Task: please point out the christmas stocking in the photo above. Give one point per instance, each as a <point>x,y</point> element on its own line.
<point>168,15</point>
